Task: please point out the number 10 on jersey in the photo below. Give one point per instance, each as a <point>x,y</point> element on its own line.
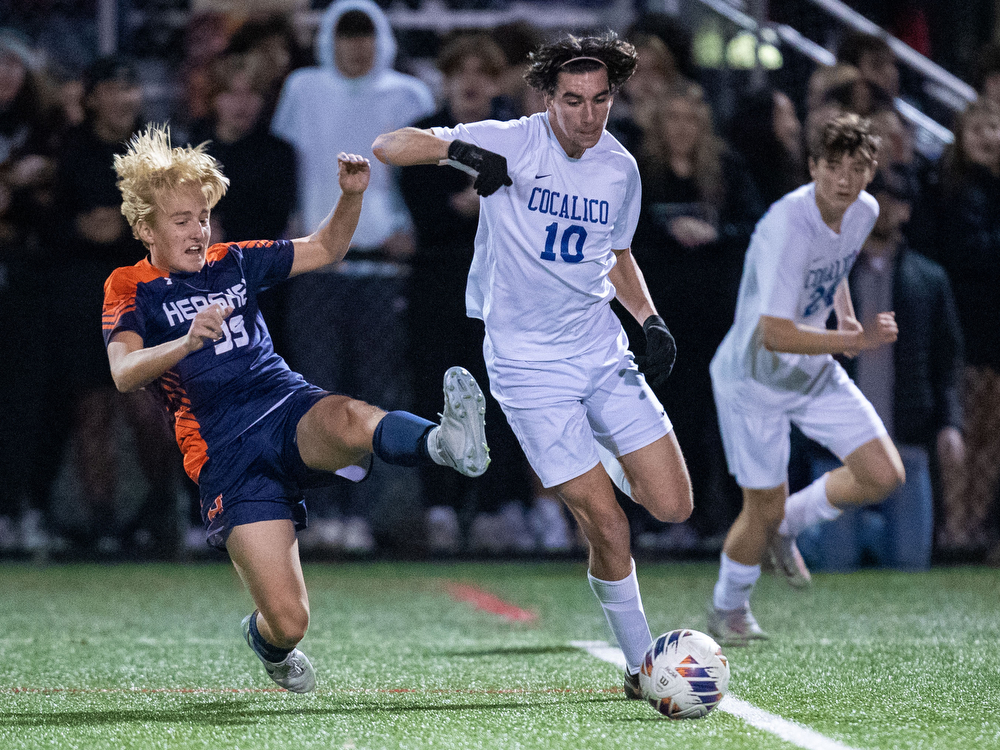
<point>574,235</point>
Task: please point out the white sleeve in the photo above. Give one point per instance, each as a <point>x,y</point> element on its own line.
<point>504,138</point>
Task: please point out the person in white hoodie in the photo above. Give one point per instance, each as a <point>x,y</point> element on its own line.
<point>346,331</point>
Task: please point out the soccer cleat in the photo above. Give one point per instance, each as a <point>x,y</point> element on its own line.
<point>786,560</point>
<point>294,673</point>
<point>633,691</point>
<point>461,438</point>
<point>734,627</point>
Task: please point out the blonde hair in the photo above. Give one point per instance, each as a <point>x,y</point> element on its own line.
<point>152,166</point>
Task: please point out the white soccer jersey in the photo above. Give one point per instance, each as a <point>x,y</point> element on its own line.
<point>539,276</point>
<point>793,267</point>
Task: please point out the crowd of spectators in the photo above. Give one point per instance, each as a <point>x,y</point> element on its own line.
<point>82,470</point>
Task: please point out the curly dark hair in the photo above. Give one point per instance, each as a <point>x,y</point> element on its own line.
<point>848,134</point>
<point>549,60</point>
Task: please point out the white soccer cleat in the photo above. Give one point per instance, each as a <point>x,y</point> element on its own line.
<point>784,557</point>
<point>734,627</point>
<point>460,440</point>
<point>294,673</point>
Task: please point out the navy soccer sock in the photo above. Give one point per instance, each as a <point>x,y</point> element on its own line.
<point>401,438</point>
<point>264,649</point>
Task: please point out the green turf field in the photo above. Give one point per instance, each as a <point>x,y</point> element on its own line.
<point>151,657</point>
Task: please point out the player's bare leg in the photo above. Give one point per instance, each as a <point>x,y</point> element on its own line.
<point>337,432</point>
<point>869,474</point>
<point>659,480</point>
<point>758,520</point>
<point>266,555</point>
<point>591,499</point>
<point>730,620</point>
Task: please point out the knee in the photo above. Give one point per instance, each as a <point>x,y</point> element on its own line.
<point>289,626</point>
<point>670,508</point>
<point>883,479</point>
<point>355,423</point>
<point>668,502</point>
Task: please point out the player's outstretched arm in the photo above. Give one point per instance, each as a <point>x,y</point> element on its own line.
<point>330,243</point>
<point>133,366</point>
<point>785,335</point>
<point>408,147</point>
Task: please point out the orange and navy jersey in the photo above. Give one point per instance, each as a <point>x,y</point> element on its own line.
<point>219,391</point>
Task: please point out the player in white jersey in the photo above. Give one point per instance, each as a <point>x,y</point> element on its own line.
<point>775,368</point>
<point>552,250</point>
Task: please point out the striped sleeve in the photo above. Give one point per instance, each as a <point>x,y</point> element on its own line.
<point>120,291</point>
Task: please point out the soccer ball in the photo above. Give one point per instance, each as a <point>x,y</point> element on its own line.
<point>684,674</point>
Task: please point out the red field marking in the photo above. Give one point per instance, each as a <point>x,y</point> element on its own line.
<point>487,602</point>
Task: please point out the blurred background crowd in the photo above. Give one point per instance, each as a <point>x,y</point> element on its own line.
<point>718,115</point>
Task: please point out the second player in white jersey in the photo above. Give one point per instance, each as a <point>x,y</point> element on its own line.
<point>793,269</point>
<point>774,369</point>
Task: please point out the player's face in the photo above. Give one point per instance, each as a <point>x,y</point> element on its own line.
<point>839,182</point>
<point>178,233</point>
<point>578,110</point>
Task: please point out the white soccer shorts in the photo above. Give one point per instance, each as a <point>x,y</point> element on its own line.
<point>558,409</point>
<point>756,421</point>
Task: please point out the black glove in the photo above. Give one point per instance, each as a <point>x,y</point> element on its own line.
<point>661,351</point>
<point>491,167</point>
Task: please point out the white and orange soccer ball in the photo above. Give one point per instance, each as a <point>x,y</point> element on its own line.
<point>684,674</point>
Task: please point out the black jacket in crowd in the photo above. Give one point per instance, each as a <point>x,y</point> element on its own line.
<point>928,352</point>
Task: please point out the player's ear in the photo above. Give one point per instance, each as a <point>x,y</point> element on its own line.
<point>144,231</point>
<point>872,169</point>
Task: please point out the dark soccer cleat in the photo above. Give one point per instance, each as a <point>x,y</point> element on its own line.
<point>294,673</point>
<point>633,691</point>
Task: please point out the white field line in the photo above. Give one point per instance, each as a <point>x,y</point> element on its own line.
<point>789,731</point>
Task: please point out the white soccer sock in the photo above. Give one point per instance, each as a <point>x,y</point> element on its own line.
<point>735,583</point>
<point>622,606</point>
<point>806,507</point>
<point>614,469</point>
<point>434,449</point>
